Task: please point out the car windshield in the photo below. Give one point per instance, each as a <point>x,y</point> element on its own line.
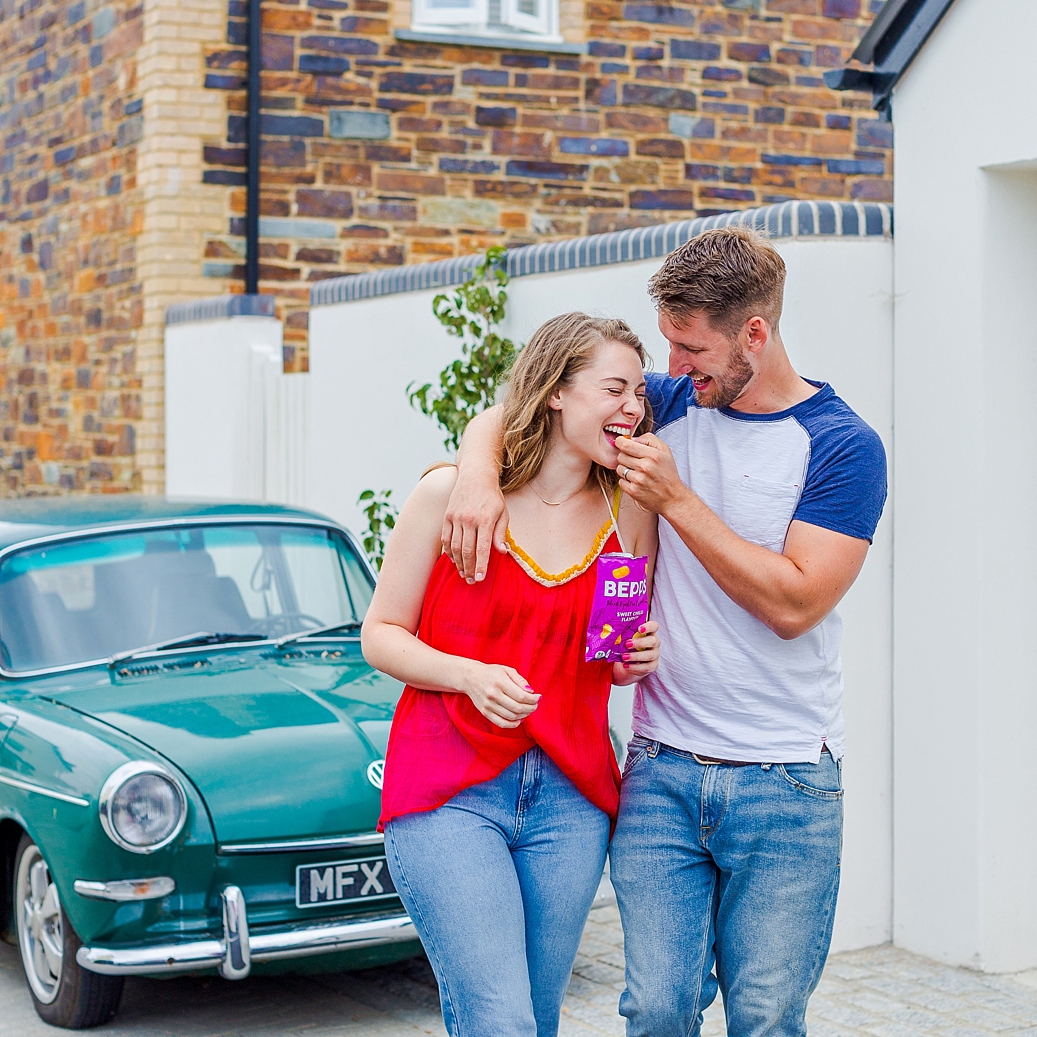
<point>72,601</point>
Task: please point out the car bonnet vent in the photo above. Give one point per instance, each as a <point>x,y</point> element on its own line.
<point>328,654</point>
<point>151,669</point>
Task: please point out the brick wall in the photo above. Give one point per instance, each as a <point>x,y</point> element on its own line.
<point>70,215</point>
<point>378,152</point>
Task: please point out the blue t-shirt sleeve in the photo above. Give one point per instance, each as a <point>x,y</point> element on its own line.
<point>846,481</point>
<point>670,397</point>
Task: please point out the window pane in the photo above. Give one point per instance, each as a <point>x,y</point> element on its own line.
<point>91,598</point>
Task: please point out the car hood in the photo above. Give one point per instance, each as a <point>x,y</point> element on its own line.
<point>278,748</point>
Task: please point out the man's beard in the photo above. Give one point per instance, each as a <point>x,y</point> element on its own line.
<point>728,387</point>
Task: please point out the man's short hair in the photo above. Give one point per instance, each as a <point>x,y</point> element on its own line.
<point>729,274</point>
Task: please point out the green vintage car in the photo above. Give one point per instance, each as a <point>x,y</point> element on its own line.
<point>191,747</point>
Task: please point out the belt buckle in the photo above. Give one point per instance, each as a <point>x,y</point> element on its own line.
<point>706,761</point>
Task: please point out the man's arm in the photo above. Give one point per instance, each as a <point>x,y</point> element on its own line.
<point>790,592</point>
<point>476,515</point>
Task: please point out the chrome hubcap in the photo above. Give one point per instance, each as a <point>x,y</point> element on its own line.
<point>40,934</point>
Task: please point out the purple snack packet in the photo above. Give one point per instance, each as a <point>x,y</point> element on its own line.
<point>620,605</point>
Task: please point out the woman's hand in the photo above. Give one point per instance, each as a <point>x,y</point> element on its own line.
<point>500,693</point>
<point>641,657</point>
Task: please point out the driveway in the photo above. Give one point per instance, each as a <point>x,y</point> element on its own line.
<point>878,992</point>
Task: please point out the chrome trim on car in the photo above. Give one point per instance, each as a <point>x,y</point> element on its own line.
<point>126,889</point>
<point>116,780</point>
<point>172,523</point>
<point>28,786</point>
<point>292,941</point>
<point>237,955</point>
<point>336,842</point>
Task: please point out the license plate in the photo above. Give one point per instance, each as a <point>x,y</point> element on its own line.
<point>342,882</point>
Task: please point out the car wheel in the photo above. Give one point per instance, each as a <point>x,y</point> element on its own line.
<point>63,993</point>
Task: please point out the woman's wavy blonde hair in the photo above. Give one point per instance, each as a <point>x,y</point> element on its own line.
<point>558,349</point>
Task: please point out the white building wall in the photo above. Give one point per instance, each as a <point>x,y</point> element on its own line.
<point>965,675</point>
<point>838,327</point>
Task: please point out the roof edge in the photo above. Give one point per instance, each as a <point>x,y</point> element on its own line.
<point>894,40</point>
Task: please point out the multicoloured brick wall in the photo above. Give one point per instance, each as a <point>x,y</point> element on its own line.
<point>378,152</point>
<point>70,214</point>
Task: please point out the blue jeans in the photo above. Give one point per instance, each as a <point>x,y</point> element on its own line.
<point>736,867</point>
<point>499,883</point>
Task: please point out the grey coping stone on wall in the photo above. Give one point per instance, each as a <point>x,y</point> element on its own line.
<point>358,125</point>
<point>288,227</point>
<point>221,306</point>
<point>782,220</point>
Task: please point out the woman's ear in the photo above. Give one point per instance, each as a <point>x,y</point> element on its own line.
<point>554,401</point>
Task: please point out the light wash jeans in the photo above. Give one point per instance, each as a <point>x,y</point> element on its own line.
<point>736,867</point>
<point>499,883</point>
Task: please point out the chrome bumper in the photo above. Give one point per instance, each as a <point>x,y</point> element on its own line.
<point>233,955</point>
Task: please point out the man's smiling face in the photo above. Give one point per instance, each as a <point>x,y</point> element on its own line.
<point>716,363</point>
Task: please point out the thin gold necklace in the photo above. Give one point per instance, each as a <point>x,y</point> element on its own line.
<point>557,503</point>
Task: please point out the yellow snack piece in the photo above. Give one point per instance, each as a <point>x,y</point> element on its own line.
<point>605,631</point>
<point>623,570</point>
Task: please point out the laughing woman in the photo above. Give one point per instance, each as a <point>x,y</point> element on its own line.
<point>500,780</point>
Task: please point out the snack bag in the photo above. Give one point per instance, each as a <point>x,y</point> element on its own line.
<point>620,605</point>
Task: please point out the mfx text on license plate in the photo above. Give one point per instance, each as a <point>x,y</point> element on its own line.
<point>338,882</point>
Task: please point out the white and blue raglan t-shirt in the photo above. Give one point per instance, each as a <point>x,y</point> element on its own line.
<point>727,687</point>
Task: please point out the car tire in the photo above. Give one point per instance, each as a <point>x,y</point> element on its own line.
<point>63,993</point>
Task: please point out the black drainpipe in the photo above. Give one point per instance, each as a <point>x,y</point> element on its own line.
<point>252,189</point>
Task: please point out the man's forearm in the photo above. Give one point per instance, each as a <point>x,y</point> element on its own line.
<point>768,585</point>
<point>480,449</point>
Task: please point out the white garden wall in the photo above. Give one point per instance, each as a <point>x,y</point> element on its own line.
<point>235,423</point>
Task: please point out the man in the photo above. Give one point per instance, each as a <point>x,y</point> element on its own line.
<point>768,488</point>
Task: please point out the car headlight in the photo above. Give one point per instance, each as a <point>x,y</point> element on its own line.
<point>143,807</point>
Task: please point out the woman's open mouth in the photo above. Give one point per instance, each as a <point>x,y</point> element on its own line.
<point>613,431</point>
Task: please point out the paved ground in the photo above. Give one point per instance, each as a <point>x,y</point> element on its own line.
<point>879,992</point>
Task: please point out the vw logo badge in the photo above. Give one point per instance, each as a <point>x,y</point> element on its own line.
<point>374,773</point>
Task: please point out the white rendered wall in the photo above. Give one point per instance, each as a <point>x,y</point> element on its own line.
<point>235,424</point>
<point>965,675</point>
<point>838,328</point>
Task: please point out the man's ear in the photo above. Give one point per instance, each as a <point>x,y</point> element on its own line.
<point>757,331</point>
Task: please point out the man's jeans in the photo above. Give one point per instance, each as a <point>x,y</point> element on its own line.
<point>499,882</point>
<point>736,867</point>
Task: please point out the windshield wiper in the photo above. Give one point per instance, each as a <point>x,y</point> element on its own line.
<point>349,625</point>
<point>201,637</point>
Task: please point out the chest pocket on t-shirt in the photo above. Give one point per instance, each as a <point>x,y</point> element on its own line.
<point>762,510</point>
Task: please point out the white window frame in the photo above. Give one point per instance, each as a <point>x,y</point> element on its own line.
<point>539,25</point>
<point>474,20</point>
<point>424,16</point>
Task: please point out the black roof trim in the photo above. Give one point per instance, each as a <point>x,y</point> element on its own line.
<point>896,36</point>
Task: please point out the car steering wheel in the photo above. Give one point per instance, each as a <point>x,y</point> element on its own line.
<point>281,624</point>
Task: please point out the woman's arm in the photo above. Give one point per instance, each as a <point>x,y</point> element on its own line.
<point>388,638</point>
<point>640,531</point>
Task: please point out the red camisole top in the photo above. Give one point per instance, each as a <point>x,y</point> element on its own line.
<point>536,622</point>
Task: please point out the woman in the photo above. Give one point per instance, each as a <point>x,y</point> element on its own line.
<point>500,779</point>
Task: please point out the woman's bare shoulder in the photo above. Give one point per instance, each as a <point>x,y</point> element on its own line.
<point>637,524</point>
<point>434,488</point>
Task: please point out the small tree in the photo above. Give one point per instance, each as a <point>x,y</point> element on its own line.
<point>466,386</point>
<point>469,384</point>
<point>381,520</point>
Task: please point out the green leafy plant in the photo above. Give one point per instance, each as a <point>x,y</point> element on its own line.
<point>469,384</point>
<point>381,519</point>
<point>466,386</point>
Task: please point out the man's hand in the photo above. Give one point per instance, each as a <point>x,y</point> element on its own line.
<point>648,473</point>
<point>476,515</point>
<point>476,518</point>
